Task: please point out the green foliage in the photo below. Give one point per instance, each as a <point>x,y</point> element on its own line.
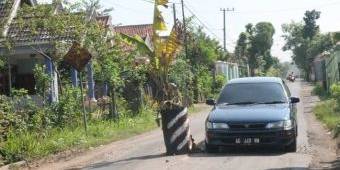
<point>220,81</point>
<point>320,91</point>
<point>42,80</point>
<point>204,81</point>
<point>253,47</point>
<point>311,28</point>
<point>328,113</point>
<point>202,49</point>
<point>181,75</point>
<point>30,145</point>
<point>67,111</point>
<point>305,40</point>
<point>335,92</point>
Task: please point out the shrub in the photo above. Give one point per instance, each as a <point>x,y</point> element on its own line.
<point>67,111</point>
<point>220,81</point>
<point>335,92</point>
<point>320,91</point>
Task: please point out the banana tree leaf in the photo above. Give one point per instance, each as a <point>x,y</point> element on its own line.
<point>139,42</point>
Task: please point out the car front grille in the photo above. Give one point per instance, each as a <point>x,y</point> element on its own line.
<point>247,126</point>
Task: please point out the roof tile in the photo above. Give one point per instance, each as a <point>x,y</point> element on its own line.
<point>142,30</point>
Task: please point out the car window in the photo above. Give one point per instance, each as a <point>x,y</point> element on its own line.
<point>252,92</point>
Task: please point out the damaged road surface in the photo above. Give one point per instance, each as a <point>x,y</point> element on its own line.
<point>147,151</point>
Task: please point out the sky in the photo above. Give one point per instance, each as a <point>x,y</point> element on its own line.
<point>208,14</point>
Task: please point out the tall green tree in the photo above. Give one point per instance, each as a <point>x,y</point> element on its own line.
<point>254,46</point>
<point>305,40</point>
<point>310,28</point>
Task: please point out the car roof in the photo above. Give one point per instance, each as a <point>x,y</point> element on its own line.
<point>256,80</point>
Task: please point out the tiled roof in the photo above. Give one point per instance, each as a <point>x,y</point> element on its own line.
<point>142,30</point>
<point>104,20</point>
<point>23,36</point>
<point>4,10</point>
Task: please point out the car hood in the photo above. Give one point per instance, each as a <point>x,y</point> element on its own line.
<point>250,113</point>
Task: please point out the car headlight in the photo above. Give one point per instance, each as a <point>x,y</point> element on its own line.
<point>210,125</point>
<point>286,125</point>
<point>275,125</point>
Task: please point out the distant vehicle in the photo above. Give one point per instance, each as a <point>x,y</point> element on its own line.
<point>291,77</point>
<point>253,112</point>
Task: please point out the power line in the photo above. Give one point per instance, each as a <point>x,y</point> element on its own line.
<point>201,22</point>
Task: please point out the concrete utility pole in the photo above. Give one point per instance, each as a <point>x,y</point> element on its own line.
<point>185,30</point>
<point>224,26</point>
<point>174,11</point>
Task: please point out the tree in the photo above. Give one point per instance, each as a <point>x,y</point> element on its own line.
<point>305,41</point>
<point>310,28</point>
<point>255,44</point>
<point>241,48</point>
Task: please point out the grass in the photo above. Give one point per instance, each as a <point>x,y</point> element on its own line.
<point>30,145</point>
<point>327,112</point>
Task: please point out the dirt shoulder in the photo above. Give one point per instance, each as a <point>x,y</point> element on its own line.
<point>324,146</point>
<point>77,158</point>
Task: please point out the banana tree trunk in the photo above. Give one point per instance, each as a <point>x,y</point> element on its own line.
<point>175,126</point>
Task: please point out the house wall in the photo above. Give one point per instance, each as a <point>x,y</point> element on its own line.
<point>332,67</point>
<point>22,73</point>
<point>230,70</point>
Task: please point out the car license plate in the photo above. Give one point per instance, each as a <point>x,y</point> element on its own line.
<point>247,140</point>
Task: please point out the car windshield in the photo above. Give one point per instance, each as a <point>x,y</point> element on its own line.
<point>252,93</point>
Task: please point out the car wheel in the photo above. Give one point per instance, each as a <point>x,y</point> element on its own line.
<point>211,148</point>
<point>292,147</point>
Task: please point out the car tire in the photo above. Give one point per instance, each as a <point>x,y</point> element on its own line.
<point>211,148</point>
<point>291,147</point>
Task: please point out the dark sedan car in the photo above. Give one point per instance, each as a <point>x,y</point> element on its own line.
<point>252,112</point>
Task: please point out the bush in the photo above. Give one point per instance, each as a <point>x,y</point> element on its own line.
<point>327,112</point>
<point>335,92</point>
<point>204,82</point>
<point>220,81</point>
<point>68,110</point>
<point>320,91</point>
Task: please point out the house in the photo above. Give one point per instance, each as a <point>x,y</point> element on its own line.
<point>332,65</point>
<point>145,31</point>
<point>24,55</point>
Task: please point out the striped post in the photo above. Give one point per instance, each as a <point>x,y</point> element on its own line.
<point>175,126</point>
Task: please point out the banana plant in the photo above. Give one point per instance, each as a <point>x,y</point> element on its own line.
<point>162,55</point>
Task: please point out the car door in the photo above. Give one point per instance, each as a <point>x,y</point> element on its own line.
<point>292,106</point>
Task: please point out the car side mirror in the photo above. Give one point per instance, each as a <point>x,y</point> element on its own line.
<point>294,100</point>
<point>210,102</point>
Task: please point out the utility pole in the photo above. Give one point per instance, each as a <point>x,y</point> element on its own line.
<point>174,11</point>
<point>186,95</point>
<point>224,26</point>
<point>185,30</point>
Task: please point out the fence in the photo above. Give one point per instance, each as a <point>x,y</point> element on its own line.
<point>230,70</point>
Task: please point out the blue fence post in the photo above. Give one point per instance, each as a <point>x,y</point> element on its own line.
<point>106,89</point>
<point>91,84</point>
<point>74,77</point>
<point>53,89</point>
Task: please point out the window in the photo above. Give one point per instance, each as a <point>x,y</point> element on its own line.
<point>253,93</point>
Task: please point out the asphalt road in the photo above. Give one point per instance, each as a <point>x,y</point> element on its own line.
<point>147,151</point>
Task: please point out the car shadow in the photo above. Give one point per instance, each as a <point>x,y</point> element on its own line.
<point>237,151</point>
